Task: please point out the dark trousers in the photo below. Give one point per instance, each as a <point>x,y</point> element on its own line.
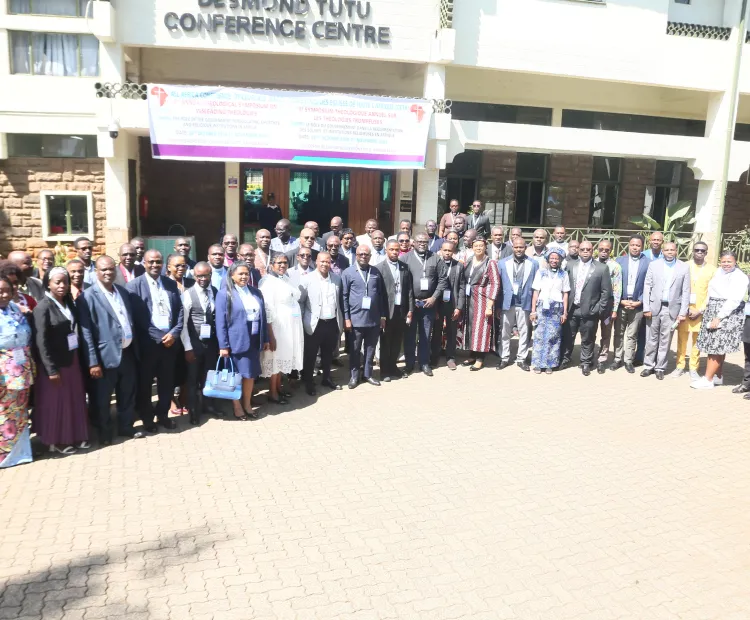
<point>205,360</point>
<point>121,381</point>
<point>640,351</point>
<point>443,314</point>
<point>323,339</point>
<point>586,325</point>
<point>421,327</point>
<point>157,361</point>
<point>92,393</point>
<point>746,377</point>
<point>369,337</point>
<point>391,341</point>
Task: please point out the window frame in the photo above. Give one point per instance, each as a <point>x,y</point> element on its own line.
<point>617,185</point>
<point>80,13</point>
<point>528,179</point>
<point>44,207</point>
<point>79,53</point>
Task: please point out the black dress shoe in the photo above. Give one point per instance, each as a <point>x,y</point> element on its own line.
<point>601,369</point>
<point>660,375</point>
<point>427,370</point>
<point>311,391</point>
<point>353,383</point>
<point>330,384</point>
<point>194,421</point>
<point>564,364</point>
<point>630,368</point>
<point>407,371</point>
<point>647,372</point>
<point>168,424</point>
<point>151,427</point>
<point>373,381</point>
<point>503,364</point>
<point>523,366</point>
<point>586,370</point>
<point>337,362</point>
<point>404,374</point>
<point>740,389</point>
<point>746,397</point>
<point>615,365</point>
<point>386,379</point>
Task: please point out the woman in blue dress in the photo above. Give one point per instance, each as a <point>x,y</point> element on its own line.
<point>242,331</point>
<point>548,311</point>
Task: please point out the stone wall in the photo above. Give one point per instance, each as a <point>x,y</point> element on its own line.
<point>189,193</point>
<point>573,172</point>
<point>21,180</point>
<point>637,175</point>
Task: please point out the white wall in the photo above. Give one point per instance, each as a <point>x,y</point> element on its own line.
<point>412,28</point>
<point>704,12</point>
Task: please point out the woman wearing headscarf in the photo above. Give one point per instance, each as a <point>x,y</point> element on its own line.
<point>548,310</point>
<point>284,327</point>
<point>482,287</point>
<point>16,377</point>
<point>60,398</point>
<point>723,319</point>
<point>242,331</point>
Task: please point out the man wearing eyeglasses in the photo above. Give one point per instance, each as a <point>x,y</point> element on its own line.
<point>348,245</point>
<point>339,262</point>
<point>337,225</point>
<point>607,320</point>
<point>700,275</point>
<point>478,220</point>
<point>306,241</point>
<point>246,253</point>
<point>304,265</point>
<point>127,270</point>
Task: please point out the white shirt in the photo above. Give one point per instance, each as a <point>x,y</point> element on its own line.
<point>64,309</point>
<point>377,257</point>
<point>118,306</point>
<point>551,286</point>
<point>583,272</point>
<point>364,240</point>
<point>668,277</point>
<point>252,307</point>
<point>277,245</point>
<point>159,300</point>
<point>351,254</point>
<point>329,302</point>
<point>633,265</point>
<point>731,287</point>
<point>563,245</point>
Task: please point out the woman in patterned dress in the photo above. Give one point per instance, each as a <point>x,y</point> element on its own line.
<point>482,287</point>
<point>551,287</point>
<point>16,377</point>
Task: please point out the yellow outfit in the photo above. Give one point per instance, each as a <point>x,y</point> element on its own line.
<point>690,328</point>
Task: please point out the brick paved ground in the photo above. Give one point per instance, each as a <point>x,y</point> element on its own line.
<point>528,497</point>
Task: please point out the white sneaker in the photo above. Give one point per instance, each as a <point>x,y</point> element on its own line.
<point>677,373</point>
<point>702,384</point>
<point>694,376</point>
<point>718,380</point>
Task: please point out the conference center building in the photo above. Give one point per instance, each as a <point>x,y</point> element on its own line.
<point>168,117</point>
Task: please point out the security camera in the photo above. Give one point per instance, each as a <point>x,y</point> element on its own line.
<point>114,129</point>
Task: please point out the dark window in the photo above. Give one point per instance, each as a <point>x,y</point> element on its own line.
<point>666,192</point>
<point>68,214</point>
<point>499,113</point>
<point>531,174</point>
<point>742,132</point>
<point>633,123</point>
<point>37,145</point>
<point>605,192</point>
<point>385,212</point>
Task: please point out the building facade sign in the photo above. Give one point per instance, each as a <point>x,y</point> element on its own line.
<point>332,20</point>
<point>291,127</point>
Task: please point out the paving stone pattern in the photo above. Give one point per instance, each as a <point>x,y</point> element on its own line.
<point>481,496</point>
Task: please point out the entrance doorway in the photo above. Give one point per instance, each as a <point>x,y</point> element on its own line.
<point>318,195</point>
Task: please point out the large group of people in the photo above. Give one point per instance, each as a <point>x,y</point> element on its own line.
<point>73,336</point>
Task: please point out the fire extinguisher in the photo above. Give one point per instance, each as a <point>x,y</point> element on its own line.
<point>144,206</point>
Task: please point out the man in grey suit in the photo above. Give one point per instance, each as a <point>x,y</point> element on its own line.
<point>666,298</point>
<point>590,290</point>
<point>321,301</point>
<point>110,350</point>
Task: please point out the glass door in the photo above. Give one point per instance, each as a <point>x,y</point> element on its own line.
<point>318,195</point>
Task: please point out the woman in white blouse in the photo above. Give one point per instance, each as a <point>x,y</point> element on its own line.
<point>723,319</point>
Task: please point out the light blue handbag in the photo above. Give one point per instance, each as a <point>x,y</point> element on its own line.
<point>224,383</point>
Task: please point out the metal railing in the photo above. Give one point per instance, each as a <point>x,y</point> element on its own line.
<point>739,242</point>
<point>618,236</point>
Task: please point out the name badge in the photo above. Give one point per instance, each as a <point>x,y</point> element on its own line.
<point>161,321</point>
<point>19,357</point>
<point>546,304</point>
<point>255,328</point>
<point>366,303</point>
<point>424,284</point>
<point>693,298</point>
<point>468,289</point>
<point>747,308</point>
<point>72,342</point>
<point>515,288</point>
<point>205,331</point>
<point>447,295</point>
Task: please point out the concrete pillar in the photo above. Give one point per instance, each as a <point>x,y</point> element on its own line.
<point>427,196</point>
<point>232,199</point>
<point>427,179</point>
<point>707,215</point>
<point>557,114</point>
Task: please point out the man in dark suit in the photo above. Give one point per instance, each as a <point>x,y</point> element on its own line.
<point>630,314</point>
<point>479,221</point>
<point>306,240</point>
<point>158,317</point>
<point>128,270</point>
<point>337,225</point>
<point>364,313</point>
<point>199,336</point>
<point>449,307</point>
<point>339,262</point>
<point>428,286</point>
<point>110,350</point>
<point>399,310</point>
<point>590,290</point>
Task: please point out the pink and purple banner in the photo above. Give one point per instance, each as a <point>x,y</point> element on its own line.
<point>208,123</point>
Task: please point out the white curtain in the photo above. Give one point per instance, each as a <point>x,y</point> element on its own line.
<point>46,7</point>
<point>20,6</point>
<point>19,42</point>
<point>89,55</point>
<point>55,54</point>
